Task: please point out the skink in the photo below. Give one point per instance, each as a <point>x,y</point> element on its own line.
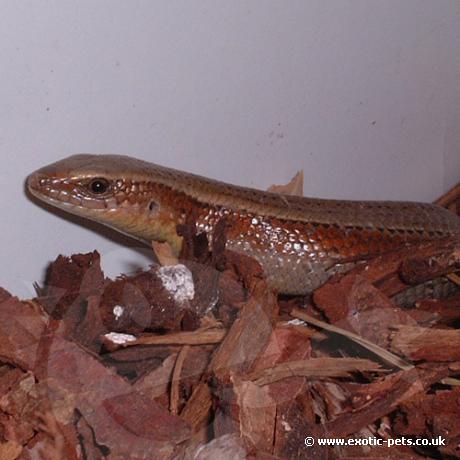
<point>300,242</point>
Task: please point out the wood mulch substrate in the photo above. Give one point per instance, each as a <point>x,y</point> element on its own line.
<point>200,360</point>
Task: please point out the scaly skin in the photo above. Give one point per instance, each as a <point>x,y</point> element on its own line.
<point>300,242</point>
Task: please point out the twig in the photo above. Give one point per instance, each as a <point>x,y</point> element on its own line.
<point>451,381</point>
<point>314,368</point>
<point>454,278</point>
<point>175,382</point>
<point>198,337</point>
<point>383,354</point>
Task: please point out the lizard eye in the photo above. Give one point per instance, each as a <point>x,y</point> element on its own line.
<point>98,186</point>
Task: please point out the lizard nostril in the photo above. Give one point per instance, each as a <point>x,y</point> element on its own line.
<point>35,181</point>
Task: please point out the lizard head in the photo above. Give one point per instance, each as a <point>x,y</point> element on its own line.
<point>118,191</point>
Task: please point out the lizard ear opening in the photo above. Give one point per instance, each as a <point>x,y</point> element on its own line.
<point>153,207</point>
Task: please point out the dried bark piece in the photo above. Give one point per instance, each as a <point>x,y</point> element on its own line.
<point>129,424</point>
<point>381,398</point>
<point>330,397</point>
<point>246,409</point>
<point>9,378</point>
<point>21,418</point>
<point>257,414</point>
<point>374,452</point>
<point>193,370</point>
<point>34,449</point>
<point>219,242</point>
<point>293,421</point>
<point>437,311</point>
<point>90,326</point>
<point>69,280</point>
<point>420,268</point>
<point>262,456</point>
<point>341,297</point>
<point>248,335</point>
<point>246,269</point>
<point>18,407</point>
<point>197,411</point>
<point>291,396</point>
<point>392,285</point>
<point>154,300</point>
<point>294,187</point>
<point>231,297</point>
<point>432,415</point>
<point>228,447</point>
<point>10,450</point>
<point>212,290</point>
<point>4,295</point>
<point>286,344</point>
<point>135,362</point>
<point>419,343</point>
<point>72,294</point>
<point>155,384</point>
<point>451,199</point>
<point>242,406</point>
<point>226,408</point>
<point>238,352</point>
<point>355,304</point>
<point>129,411</point>
<point>384,271</point>
<point>206,291</point>
<point>59,441</point>
<point>87,442</point>
<point>21,329</point>
<point>195,246</point>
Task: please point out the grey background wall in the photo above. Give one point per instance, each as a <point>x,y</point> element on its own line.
<point>361,94</point>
